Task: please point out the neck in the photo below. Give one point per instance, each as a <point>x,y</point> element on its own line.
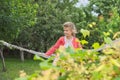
<point>69,37</point>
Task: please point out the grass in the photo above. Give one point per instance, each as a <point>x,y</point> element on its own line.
<point>14,65</point>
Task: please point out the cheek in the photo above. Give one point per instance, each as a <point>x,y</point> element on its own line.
<point>70,32</point>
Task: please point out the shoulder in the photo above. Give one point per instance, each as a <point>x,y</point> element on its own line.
<point>76,39</point>
<point>61,38</point>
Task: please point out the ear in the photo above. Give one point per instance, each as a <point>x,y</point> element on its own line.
<point>74,31</point>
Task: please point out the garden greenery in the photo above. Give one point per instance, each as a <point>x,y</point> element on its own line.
<point>70,64</point>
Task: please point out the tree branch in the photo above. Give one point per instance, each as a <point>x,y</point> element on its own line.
<point>22,49</point>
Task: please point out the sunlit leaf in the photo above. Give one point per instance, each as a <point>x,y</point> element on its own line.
<point>36,57</point>
<point>45,65</point>
<point>108,51</point>
<point>100,68</point>
<point>96,76</point>
<point>115,62</point>
<point>85,32</point>
<point>107,40</point>
<point>106,33</point>
<point>93,23</point>
<point>84,42</point>
<point>90,25</point>
<point>22,78</point>
<point>116,34</point>
<point>96,45</point>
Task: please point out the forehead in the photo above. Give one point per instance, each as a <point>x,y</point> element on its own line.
<point>66,28</point>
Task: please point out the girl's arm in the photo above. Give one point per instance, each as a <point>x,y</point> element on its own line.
<point>54,47</point>
<point>79,45</point>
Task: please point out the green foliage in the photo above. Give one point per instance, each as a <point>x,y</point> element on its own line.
<point>36,57</point>
<point>102,20</point>
<point>107,40</point>
<point>14,16</point>
<point>50,17</point>
<point>84,42</point>
<point>96,45</point>
<point>103,6</point>
<point>85,32</point>
<point>37,24</point>
<point>17,16</point>
<point>77,64</point>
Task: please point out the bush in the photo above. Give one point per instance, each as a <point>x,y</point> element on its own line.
<point>78,64</point>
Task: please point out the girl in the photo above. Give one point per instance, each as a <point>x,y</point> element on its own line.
<point>68,39</point>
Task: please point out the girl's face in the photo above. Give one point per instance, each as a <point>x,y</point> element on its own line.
<point>67,31</point>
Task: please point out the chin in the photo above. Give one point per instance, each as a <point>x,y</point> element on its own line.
<point>66,35</point>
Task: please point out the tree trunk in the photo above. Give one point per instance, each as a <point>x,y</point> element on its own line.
<point>2,58</point>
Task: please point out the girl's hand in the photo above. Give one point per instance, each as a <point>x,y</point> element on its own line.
<point>44,55</point>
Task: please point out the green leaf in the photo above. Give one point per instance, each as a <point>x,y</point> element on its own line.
<point>85,32</point>
<point>106,33</point>
<point>70,50</point>
<point>22,78</point>
<point>117,78</point>
<point>107,40</point>
<point>36,57</point>
<point>96,45</point>
<point>45,65</point>
<point>33,75</point>
<point>84,42</point>
<point>96,76</point>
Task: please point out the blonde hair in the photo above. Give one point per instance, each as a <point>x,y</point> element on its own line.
<point>72,26</point>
